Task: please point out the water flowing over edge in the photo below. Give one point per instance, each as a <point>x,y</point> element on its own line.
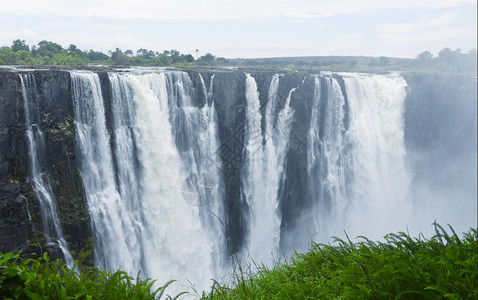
<point>153,182</point>
<point>39,178</point>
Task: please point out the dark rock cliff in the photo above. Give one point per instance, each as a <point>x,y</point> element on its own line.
<point>14,224</point>
<point>438,107</point>
<point>18,230</point>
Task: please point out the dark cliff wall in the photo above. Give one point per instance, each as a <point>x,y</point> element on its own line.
<point>17,198</point>
<point>14,225</point>
<point>294,194</point>
<point>440,120</point>
<point>57,117</point>
<point>229,98</point>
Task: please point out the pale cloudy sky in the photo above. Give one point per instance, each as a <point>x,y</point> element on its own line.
<point>246,28</point>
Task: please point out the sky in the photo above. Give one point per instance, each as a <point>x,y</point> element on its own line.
<point>246,28</point>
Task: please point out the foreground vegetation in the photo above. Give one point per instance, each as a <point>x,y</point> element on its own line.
<point>443,267</point>
<point>45,279</point>
<point>401,267</point>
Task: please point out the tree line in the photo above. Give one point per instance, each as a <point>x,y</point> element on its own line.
<point>51,53</point>
<point>447,60</point>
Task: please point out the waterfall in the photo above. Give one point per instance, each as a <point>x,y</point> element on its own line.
<point>328,152</point>
<point>154,193</point>
<point>210,183</point>
<point>34,230</point>
<point>111,226</point>
<point>152,176</point>
<point>263,175</point>
<point>38,176</point>
<point>357,177</point>
<point>260,231</point>
<point>318,158</point>
<point>172,155</point>
<point>380,178</point>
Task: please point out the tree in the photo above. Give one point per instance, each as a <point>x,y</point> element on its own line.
<point>383,60</point>
<point>425,58</point>
<point>8,56</point>
<point>189,58</point>
<point>46,48</point>
<point>445,56</point>
<point>74,51</point>
<point>24,56</point>
<point>148,54</point>
<point>96,56</point>
<point>163,59</point>
<point>19,45</point>
<point>119,58</point>
<point>174,56</point>
<point>208,57</point>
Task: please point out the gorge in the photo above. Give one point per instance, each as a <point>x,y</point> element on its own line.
<point>180,174</point>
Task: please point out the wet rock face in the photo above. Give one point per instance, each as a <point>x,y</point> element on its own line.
<point>9,107</point>
<point>20,217</point>
<point>14,225</point>
<point>58,126</point>
<point>431,122</point>
<point>229,100</point>
<point>13,217</point>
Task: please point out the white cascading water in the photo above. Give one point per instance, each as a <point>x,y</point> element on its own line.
<point>357,176</point>
<point>328,153</point>
<point>152,175</point>
<point>380,178</point>
<point>167,234</point>
<point>264,168</point>
<point>128,173</point>
<point>262,213</point>
<point>38,177</point>
<point>155,194</point>
<point>112,227</point>
<point>211,183</point>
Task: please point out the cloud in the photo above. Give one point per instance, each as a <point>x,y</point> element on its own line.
<point>432,36</point>
<point>6,37</point>
<point>123,40</point>
<point>212,9</point>
<point>350,37</point>
<point>445,30</point>
<point>245,28</point>
<point>425,23</point>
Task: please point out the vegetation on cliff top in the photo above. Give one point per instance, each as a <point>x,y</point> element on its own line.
<point>401,267</point>
<point>48,53</point>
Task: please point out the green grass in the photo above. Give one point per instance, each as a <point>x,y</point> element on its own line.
<point>401,267</point>
<point>45,279</point>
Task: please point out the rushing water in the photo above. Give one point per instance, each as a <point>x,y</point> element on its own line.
<point>263,175</point>
<point>39,178</point>
<point>357,176</point>
<point>153,182</point>
<point>154,199</point>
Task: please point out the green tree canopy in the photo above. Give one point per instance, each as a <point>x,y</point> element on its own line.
<point>46,48</point>
<point>19,45</point>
